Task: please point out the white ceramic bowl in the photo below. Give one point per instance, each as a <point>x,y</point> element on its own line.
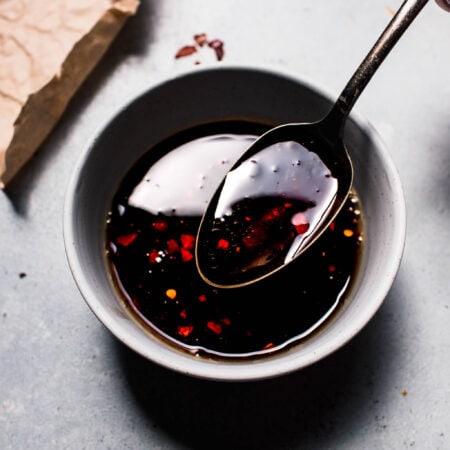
<point>209,94</point>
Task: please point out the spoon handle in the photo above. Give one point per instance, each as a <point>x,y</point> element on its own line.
<point>363,74</point>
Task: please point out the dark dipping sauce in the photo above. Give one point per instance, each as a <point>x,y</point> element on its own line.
<point>151,231</point>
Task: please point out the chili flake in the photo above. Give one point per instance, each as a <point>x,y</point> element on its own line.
<point>186,255</point>
<point>187,50</point>
<point>154,256</point>
<point>127,239</point>
<point>160,225</point>
<point>185,330</point>
<point>217,46</point>
<point>200,39</point>
<point>172,246</point>
<point>202,298</point>
<point>171,293</point>
<point>300,223</point>
<point>187,241</point>
<point>223,244</point>
<point>214,327</point>
<point>348,233</point>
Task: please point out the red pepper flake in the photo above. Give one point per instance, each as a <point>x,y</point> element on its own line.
<point>171,293</point>
<point>185,330</point>
<point>269,345</point>
<point>200,39</point>
<point>187,50</point>
<point>331,268</point>
<point>223,244</point>
<point>183,314</point>
<point>217,46</point>
<point>202,298</point>
<point>160,225</point>
<point>154,256</point>
<point>187,241</point>
<point>172,246</point>
<point>186,255</point>
<point>348,233</point>
<point>226,321</point>
<point>332,226</point>
<point>273,214</point>
<point>300,223</point>
<point>214,327</point>
<point>126,239</point>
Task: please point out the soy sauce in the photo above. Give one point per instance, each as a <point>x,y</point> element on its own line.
<point>150,235</point>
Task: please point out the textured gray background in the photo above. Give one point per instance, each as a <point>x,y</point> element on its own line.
<point>66,383</point>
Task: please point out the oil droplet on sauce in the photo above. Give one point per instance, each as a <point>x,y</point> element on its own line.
<point>151,232</point>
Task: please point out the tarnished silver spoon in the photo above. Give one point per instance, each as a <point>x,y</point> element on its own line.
<point>288,186</point>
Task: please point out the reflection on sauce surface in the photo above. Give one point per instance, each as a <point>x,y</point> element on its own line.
<point>151,234</point>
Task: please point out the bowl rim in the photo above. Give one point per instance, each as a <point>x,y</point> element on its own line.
<point>245,370</point>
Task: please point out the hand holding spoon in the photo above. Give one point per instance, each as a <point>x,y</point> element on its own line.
<point>288,186</point>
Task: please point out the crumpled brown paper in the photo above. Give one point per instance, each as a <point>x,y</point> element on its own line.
<point>47,49</point>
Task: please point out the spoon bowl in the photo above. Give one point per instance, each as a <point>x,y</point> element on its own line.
<point>238,241</point>
<point>312,170</point>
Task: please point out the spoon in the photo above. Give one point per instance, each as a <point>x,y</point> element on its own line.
<point>288,186</point>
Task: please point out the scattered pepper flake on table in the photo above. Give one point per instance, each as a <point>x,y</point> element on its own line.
<point>201,41</point>
<point>186,50</point>
<point>217,46</point>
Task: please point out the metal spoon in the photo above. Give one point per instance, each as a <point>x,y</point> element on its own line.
<point>288,186</point>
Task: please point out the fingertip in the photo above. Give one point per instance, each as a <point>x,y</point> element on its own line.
<point>444,4</point>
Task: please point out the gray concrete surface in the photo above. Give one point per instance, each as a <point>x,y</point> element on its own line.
<point>66,383</point>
